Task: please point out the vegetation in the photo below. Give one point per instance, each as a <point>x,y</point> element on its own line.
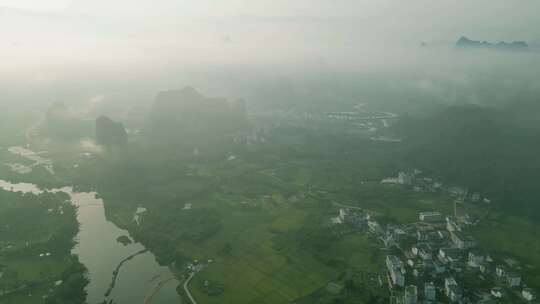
<point>124,240</point>
<point>483,148</point>
<point>258,216</point>
<point>261,218</point>
<point>36,238</point>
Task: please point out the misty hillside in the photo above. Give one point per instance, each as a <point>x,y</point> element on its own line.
<point>189,119</point>
<point>269,152</point>
<point>490,149</point>
<point>466,43</point>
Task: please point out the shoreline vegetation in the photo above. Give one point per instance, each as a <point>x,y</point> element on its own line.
<point>124,240</point>
<point>116,271</point>
<point>157,288</point>
<point>36,240</point>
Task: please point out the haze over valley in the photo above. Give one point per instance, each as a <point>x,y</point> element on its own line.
<point>201,152</point>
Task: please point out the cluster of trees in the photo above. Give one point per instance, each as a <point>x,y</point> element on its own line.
<point>162,229</point>
<point>493,151</point>
<point>74,281</point>
<point>35,219</point>
<point>37,224</point>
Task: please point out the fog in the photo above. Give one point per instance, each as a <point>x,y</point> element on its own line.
<point>276,151</point>
<point>76,50</point>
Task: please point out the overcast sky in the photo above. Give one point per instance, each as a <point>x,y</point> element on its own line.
<point>37,32</point>
<point>48,43</point>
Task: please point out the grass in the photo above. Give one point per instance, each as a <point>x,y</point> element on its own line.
<point>32,269</point>
<point>515,237</point>
<point>396,202</point>
<point>254,271</point>
<point>21,263</point>
<point>258,274</point>
<point>359,252</point>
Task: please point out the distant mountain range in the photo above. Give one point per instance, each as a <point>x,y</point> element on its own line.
<point>466,43</point>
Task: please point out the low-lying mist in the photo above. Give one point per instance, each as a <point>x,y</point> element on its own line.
<point>276,55</point>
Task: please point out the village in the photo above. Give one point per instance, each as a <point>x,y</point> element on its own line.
<point>436,259</point>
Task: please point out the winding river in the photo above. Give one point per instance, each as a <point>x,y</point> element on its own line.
<point>99,250</point>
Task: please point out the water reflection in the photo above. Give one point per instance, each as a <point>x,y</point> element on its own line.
<point>100,251</point>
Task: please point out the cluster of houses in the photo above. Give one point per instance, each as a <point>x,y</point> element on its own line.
<point>420,183</point>
<point>436,260</point>
<point>363,121</point>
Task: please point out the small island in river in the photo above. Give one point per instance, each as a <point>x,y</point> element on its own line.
<point>124,240</point>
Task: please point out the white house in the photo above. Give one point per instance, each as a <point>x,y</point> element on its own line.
<point>396,270</point>
<point>425,253</point>
<point>374,227</point>
<point>430,217</point>
<point>411,295</point>
<point>462,241</point>
<point>513,279</point>
<point>500,270</point>
<point>449,255</point>
<point>430,291</point>
<point>452,225</point>
<point>528,294</point>
<point>450,281</point>
<point>342,214</point>
<point>476,258</point>
<point>497,292</point>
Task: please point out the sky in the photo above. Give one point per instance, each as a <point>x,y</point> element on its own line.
<point>491,18</point>
<point>201,26</point>
<point>38,5</point>
<point>45,40</point>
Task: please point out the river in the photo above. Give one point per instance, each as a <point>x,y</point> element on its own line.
<point>99,250</point>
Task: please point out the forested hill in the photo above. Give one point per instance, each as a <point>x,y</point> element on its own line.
<point>488,150</point>
<point>188,118</point>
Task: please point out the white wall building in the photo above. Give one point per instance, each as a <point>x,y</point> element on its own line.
<point>430,217</point>
<point>528,294</point>
<point>430,291</point>
<point>513,279</point>
<point>411,295</point>
<point>396,270</point>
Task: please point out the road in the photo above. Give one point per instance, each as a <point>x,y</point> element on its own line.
<point>186,289</point>
<point>347,206</point>
<point>371,212</point>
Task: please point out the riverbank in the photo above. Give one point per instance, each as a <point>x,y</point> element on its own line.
<point>157,288</point>
<point>97,232</point>
<point>35,254</point>
<point>117,270</point>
